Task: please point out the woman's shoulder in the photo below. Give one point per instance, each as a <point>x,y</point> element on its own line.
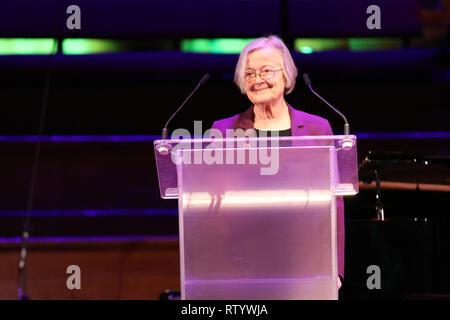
<point>227,123</point>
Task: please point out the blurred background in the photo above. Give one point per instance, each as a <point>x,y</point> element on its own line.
<point>98,96</point>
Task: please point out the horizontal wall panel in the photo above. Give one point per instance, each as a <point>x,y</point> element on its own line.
<point>347,18</point>
<point>212,18</point>
<point>140,18</point>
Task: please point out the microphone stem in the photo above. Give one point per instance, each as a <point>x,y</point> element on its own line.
<point>164,134</point>
<point>346,129</point>
<point>346,126</point>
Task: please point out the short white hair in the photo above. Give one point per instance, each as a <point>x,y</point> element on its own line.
<point>289,69</point>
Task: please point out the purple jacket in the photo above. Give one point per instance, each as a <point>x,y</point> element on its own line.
<point>302,124</point>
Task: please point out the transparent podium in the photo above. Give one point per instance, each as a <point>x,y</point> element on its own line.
<point>257,216</point>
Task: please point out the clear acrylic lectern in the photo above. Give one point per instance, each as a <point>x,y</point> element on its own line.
<point>257,216</point>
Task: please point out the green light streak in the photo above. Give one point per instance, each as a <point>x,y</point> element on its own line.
<point>19,46</point>
<point>89,46</point>
<point>366,44</point>
<point>313,44</point>
<point>306,50</point>
<point>226,46</point>
<point>31,46</point>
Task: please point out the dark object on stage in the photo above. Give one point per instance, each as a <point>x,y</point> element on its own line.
<point>170,295</point>
<point>402,158</point>
<point>405,171</point>
<point>431,168</point>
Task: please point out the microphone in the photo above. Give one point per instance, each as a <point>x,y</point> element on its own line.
<point>202,81</point>
<point>347,142</point>
<point>163,147</point>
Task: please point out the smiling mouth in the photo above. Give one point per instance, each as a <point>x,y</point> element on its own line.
<point>257,90</point>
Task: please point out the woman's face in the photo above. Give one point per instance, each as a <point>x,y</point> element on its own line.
<point>260,90</point>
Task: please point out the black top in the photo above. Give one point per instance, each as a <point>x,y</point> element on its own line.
<point>281,133</point>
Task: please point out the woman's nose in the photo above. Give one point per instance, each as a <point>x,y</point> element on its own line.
<point>258,80</point>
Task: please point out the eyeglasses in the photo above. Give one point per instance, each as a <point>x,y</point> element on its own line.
<point>265,73</point>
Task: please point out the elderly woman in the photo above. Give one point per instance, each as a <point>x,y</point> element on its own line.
<point>266,72</point>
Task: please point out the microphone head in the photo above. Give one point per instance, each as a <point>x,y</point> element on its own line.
<point>203,79</point>
<point>306,79</point>
<point>163,148</point>
<point>347,143</point>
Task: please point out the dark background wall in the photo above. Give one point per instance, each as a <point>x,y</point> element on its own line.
<point>97,188</point>
<point>135,92</point>
<point>401,90</point>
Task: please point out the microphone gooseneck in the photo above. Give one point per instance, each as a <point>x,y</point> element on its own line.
<point>163,147</point>
<point>165,133</point>
<point>308,84</point>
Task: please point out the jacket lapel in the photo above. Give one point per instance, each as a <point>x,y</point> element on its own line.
<point>245,120</point>
<point>296,122</point>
